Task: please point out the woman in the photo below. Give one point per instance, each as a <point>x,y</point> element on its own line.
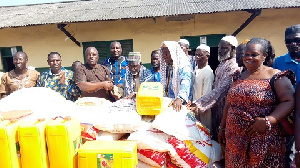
<point>176,73</point>
<point>20,77</point>
<point>250,118</point>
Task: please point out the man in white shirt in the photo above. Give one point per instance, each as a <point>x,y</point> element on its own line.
<point>203,81</point>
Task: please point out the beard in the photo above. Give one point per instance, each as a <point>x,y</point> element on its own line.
<point>224,57</point>
<point>295,55</point>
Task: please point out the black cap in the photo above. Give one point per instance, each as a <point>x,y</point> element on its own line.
<point>292,30</point>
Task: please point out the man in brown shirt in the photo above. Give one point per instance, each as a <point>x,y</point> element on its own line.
<point>92,78</point>
<point>18,78</point>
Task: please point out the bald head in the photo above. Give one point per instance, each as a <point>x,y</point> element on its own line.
<point>89,49</point>
<point>21,53</point>
<point>91,56</point>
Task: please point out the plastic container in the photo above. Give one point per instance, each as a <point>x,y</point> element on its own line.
<point>108,154</point>
<point>32,142</point>
<point>149,99</point>
<point>63,140</point>
<point>9,145</point>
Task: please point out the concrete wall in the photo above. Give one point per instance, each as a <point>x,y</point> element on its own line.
<point>38,41</point>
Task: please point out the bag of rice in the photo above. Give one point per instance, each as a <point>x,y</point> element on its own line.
<point>179,124</point>
<point>185,150</point>
<point>150,138</point>
<point>153,158</point>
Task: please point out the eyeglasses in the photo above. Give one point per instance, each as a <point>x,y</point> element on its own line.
<point>295,40</point>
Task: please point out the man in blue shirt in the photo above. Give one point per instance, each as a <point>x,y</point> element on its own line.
<point>155,61</point>
<point>116,64</point>
<point>291,60</point>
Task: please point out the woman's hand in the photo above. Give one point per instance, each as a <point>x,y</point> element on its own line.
<point>259,126</point>
<point>177,104</point>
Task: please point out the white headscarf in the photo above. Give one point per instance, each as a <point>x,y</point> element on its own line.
<point>180,60</point>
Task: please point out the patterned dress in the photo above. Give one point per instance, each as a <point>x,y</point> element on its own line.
<point>251,98</point>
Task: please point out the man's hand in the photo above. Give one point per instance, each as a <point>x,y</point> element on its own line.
<point>177,104</point>
<point>62,77</point>
<point>108,85</point>
<point>131,96</point>
<point>192,107</point>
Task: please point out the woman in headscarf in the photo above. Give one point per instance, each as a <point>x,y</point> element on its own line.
<point>176,73</point>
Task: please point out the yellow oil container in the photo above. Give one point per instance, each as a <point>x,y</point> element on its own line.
<point>9,145</point>
<point>32,140</point>
<point>149,99</point>
<point>63,140</point>
<point>108,154</point>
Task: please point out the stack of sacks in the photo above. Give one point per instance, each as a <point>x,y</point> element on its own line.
<point>106,120</point>
<point>152,145</point>
<point>42,102</point>
<point>191,142</point>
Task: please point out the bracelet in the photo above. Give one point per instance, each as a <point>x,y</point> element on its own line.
<point>221,128</point>
<point>268,123</point>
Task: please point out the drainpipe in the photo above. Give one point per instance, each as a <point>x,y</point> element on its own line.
<point>62,28</point>
<point>255,12</point>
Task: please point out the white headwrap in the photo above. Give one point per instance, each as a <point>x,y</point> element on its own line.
<point>180,60</point>
<point>184,41</point>
<point>204,47</point>
<point>231,39</point>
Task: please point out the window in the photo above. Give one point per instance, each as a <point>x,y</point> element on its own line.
<point>103,48</point>
<point>7,57</point>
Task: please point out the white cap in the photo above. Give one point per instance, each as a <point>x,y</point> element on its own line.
<point>204,47</point>
<point>231,39</point>
<point>184,41</point>
<point>31,68</point>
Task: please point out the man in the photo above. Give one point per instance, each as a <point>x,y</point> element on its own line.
<point>135,75</point>
<point>176,74</point>
<point>203,78</point>
<point>116,64</point>
<point>185,45</point>
<point>94,79</point>
<point>18,78</point>
<point>240,53</point>
<point>58,78</point>
<point>155,61</point>
<point>215,99</point>
<point>291,60</point>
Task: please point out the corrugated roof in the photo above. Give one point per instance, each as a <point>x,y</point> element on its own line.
<point>82,11</point>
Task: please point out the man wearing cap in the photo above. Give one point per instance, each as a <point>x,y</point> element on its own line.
<point>291,60</point>
<point>203,78</point>
<point>215,99</point>
<point>185,45</point>
<point>136,73</point>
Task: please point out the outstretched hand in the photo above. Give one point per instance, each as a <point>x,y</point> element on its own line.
<point>176,104</point>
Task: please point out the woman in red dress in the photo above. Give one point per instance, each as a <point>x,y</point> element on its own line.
<point>252,112</point>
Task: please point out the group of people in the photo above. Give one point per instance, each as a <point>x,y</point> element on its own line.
<point>238,102</point>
